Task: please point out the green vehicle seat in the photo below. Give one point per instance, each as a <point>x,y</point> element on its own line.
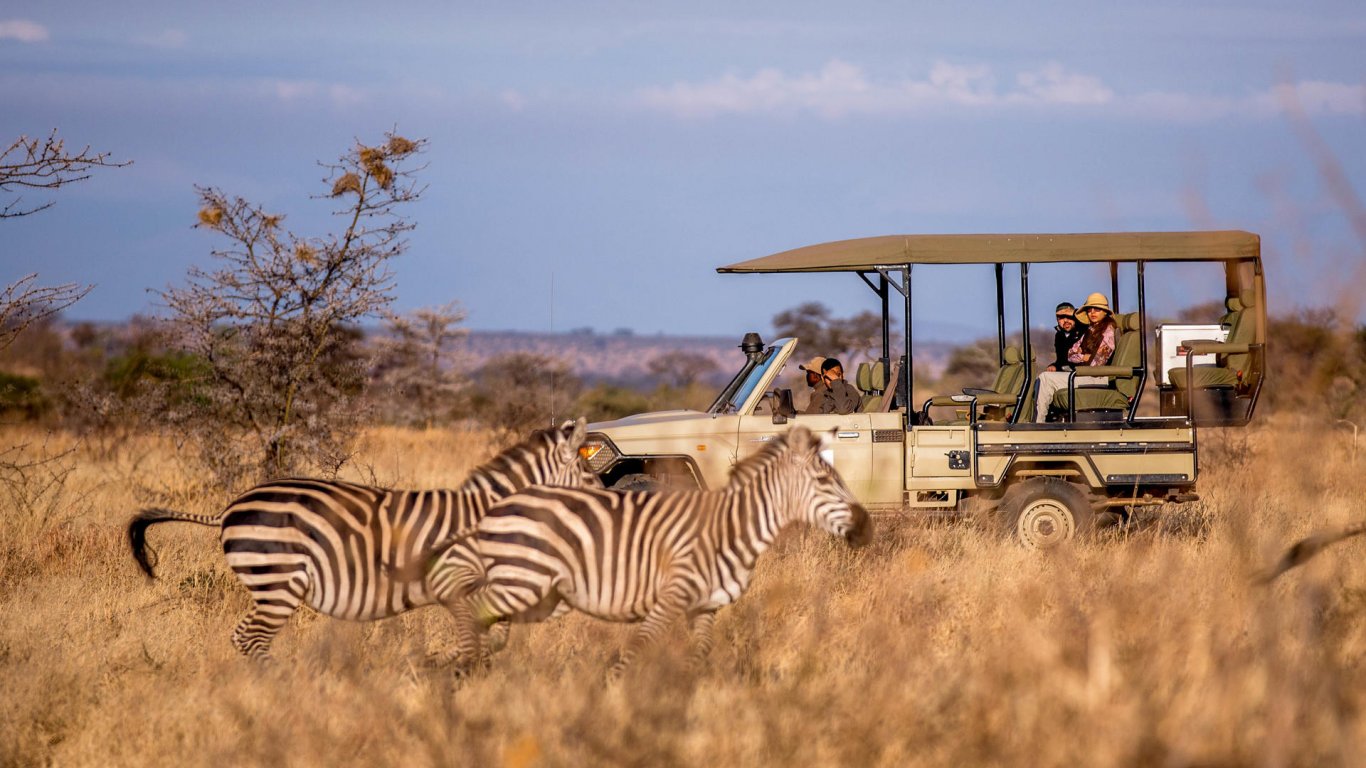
<point>998,402</point>
<point>871,380</point>
<point>1118,392</point>
<point>1227,370</point>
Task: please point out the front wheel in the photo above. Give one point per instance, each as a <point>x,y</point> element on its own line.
<point>1044,512</point>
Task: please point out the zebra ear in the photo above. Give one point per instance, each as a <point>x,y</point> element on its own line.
<point>575,432</point>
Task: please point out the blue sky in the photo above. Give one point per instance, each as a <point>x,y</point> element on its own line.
<point>611,154</point>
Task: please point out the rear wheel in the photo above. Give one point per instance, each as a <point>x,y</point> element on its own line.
<point>1044,512</point>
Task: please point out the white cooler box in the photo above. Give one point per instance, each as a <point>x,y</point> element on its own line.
<point>1171,339</point>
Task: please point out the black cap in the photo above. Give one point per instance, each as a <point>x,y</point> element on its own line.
<point>830,362</point>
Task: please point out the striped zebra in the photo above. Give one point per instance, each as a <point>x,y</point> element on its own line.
<point>342,547</point>
<point>640,556</point>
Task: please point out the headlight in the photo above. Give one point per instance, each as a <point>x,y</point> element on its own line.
<point>598,452</point>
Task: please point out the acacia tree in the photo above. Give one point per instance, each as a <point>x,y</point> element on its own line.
<point>275,320</point>
<point>417,364</point>
<point>39,164</point>
<point>24,302</point>
<point>42,164</point>
<point>823,333</point>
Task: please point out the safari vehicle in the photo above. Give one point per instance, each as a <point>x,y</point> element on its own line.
<point>1102,454</point>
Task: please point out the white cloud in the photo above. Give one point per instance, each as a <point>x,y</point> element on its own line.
<point>1315,97</point>
<point>841,88</point>
<point>302,91</point>
<point>23,30</point>
<point>1053,85</point>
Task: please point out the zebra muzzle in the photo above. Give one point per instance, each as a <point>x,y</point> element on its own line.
<point>861,530</point>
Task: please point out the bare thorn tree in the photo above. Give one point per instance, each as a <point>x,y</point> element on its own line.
<point>417,364</point>
<point>23,303</point>
<point>43,164</point>
<point>275,319</point>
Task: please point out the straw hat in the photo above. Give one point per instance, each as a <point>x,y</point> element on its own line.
<point>1094,301</point>
<point>813,365</point>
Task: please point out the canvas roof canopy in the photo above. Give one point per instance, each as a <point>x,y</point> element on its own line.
<point>867,253</point>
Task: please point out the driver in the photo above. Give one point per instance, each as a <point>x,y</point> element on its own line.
<point>833,394</point>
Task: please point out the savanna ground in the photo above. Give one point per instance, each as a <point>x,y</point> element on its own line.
<point>940,644</point>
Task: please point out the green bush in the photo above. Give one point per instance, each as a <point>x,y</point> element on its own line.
<point>22,396</point>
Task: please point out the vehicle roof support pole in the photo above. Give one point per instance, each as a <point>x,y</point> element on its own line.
<point>907,370</point>
<point>899,277</point>
<point>1024,309</point>
<point>886,323</point>
<point>1000,315</point>
<point>1114,285</point>
<point>1142,343</point>
<point>881,290</point>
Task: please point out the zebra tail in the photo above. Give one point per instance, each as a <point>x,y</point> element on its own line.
<point>1306,548</point>
<point>137,533</point>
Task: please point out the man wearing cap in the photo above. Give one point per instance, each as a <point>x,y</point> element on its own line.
<point>814,380</point>
<point>833,394</point>
<point>1065,334</point>
<point>1095,347</point>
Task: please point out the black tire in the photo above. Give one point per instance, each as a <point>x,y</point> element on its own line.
<point>1045,512</point>
<point>636,482</point>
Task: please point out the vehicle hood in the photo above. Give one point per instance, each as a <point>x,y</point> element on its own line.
<point>650,420</point>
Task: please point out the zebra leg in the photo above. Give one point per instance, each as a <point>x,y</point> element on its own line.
<point>469,636</point>
<point>499,632</point>
<point>498,636</point>
<point>270,611</point>
<point>661,614</point>
<point>700,625</point>
<point>455,575</point>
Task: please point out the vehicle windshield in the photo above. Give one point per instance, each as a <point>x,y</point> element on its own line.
<point>747,382</point>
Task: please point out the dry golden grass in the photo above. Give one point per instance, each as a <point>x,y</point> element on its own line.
<point>938,645</point>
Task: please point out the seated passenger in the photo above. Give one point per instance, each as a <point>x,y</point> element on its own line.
<point>1094,347</point>
<point>1065,334</point>
<point>833,394</point>
<point>814,380</point>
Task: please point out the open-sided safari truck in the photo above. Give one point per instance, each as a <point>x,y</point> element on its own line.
<point>979,450</point>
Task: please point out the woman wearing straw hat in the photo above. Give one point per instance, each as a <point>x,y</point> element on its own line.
<point>1093,348</point>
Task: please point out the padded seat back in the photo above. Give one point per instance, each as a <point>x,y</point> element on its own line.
<point>1012,373</point>
<point>871,380</point>
<point>1128,351</point>
<point>1242,330</point>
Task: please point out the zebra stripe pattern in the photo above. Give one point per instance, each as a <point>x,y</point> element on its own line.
<point>345,549</point>
<point>642,556</point>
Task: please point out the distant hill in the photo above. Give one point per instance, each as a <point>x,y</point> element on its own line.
<point>624,357</point>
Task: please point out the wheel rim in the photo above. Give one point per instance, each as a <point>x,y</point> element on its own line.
<point>1045,523</point>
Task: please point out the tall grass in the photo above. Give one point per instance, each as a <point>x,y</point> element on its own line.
<point>938,645</point>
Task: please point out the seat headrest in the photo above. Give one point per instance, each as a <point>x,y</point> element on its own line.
<point>863,378</point>
<point>1249,297</point>
<point>1129,322</point>
<point>1013,356</point>
<point>878,378</point>
<point>1233,304</point>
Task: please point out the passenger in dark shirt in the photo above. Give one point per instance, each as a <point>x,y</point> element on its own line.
<point>834,394</point>
<point>1066,333</point>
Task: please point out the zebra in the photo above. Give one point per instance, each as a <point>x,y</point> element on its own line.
<point>340,547</point>
<point>644,557</point>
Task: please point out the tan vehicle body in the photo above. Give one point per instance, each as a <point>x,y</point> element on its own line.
<point>1046,482</point>
<point>888,466</point>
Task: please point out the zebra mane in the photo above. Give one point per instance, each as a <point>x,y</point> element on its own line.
<point>541,441</point>
<point>752,466</point>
